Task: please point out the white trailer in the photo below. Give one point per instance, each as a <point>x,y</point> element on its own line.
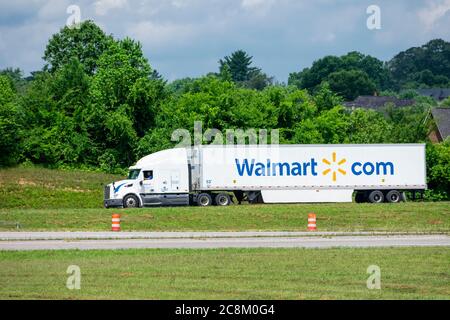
<point>212,175</point>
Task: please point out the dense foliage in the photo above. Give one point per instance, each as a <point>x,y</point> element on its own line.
<point>98,103</point>
<point>351,75</point>
<point>425,66</point>
<point>354,73</point>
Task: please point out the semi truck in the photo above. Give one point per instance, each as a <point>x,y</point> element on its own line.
<point>222,175</point>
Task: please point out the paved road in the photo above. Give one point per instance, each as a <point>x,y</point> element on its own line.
<point>79,235</point>
<point>233,242</point>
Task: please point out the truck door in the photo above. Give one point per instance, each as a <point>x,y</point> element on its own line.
<point>148,189</point>
<point>148,184</point>
<point>150,193</point>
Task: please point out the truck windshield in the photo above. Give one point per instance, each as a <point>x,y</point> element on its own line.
<point>133,174</point>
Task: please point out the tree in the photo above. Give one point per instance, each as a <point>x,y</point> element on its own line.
<point>180,86</point>
<point>369,126</point>
<point>54,111</point>
<point>16,76</point>
<point>330,126</point>
<point>291,106</point>
<point>237,68</point>
<point>125,99</point>
<point>446,103</point>
<point>427,65</point>
<point>86,43</point>
<point>239,65</point>
<point>409,123</point>
<point>10,127</point>
<point>438,170</point>
<point>325,98</point>
<point>321,70</point>
<point>258,81</point>
<point>351,84</point>
<point>309,78</point>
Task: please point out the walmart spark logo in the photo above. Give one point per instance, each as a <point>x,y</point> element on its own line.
<point>334,167</point>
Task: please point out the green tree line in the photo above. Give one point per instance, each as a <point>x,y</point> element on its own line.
<point>98,103</point>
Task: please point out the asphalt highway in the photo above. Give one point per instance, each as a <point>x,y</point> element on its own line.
<point>204,240</point>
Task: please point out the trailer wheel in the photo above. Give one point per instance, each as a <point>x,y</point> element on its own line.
<point>130,201</point>
<point>204,200</point>
<point>223,199</point>
<point>393,196</point>
<point>376,196</point>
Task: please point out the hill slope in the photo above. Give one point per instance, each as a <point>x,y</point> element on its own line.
<point>40,188</point>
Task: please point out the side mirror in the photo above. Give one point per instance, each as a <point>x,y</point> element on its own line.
<point>141,183</point>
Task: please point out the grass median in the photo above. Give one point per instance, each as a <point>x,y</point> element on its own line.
<point>406,273</point>
<point>403,217</point>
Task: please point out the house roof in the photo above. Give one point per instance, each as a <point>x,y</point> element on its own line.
<point>442,118</point>
<point>435,93</point>
<point>375,102</point>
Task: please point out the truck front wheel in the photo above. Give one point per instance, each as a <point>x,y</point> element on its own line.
<point>131,201</point>
<point>204,200</point>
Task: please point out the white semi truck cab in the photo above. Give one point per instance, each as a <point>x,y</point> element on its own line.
<point>212,175</point>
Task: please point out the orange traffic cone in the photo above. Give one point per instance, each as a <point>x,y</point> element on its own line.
<point>116,222</point>
<point>312,222</point>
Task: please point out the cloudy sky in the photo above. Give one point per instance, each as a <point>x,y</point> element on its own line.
<point>187,37</point>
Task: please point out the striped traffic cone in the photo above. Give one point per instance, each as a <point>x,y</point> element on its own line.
<point>312,222</point>
<point>115,222</point>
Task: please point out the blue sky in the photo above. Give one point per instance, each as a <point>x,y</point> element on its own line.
<point>187,37</point>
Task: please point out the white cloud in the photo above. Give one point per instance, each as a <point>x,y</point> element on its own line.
<point>161,34</point>
<point>433,12</point>
<point>179,3</point>
<point>54,10</point>
<point>258,5</point>
<point>324,37</point>
<point>102,7</point>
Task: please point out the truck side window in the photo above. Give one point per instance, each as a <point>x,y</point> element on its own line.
<point>148,175</point>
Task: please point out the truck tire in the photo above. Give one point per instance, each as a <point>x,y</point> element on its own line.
<point>394,196</point>
<point>376,196</point>
<point>223,200</point>
<point>131,201</point>
<point>204,200</point>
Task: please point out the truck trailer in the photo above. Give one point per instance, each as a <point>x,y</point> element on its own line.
<point>222,175</point>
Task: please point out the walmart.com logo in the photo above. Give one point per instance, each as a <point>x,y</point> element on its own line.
<point>268,168</point>
<point>334,168</point>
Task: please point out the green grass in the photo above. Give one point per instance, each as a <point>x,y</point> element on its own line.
<point>426,217</point>
<point>44,199</point>
<point>36,187</point>
<point>406,273</point>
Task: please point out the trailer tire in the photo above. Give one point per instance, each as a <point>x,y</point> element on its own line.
<point>394,196</point>
<point>376,196</point>
<point>131,201</point>
<point>204,200</point>
<point>223,200</point>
